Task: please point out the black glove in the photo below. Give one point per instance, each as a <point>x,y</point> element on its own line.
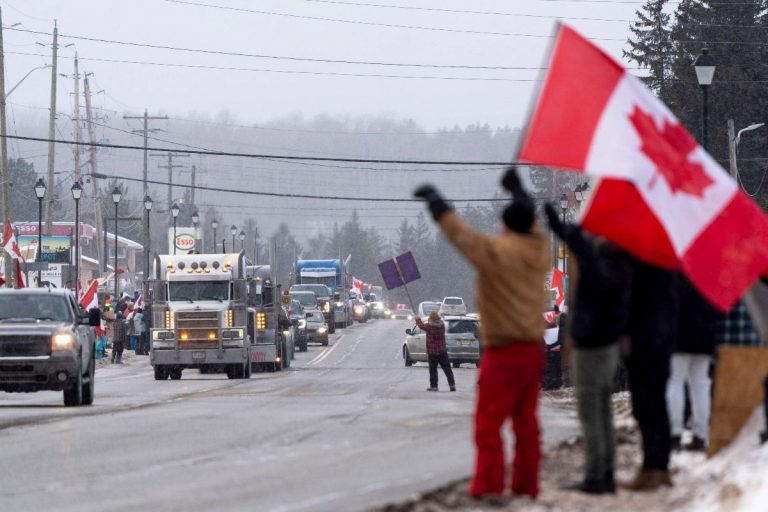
<point>554,221</point>
<point>437,204</point>
<point>511,182</point>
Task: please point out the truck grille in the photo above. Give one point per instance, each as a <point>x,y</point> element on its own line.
<point>200,327</point>
<point>25,346</point>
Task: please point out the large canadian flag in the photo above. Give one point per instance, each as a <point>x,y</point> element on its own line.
<point>661,196</point>
<point>558,285</point>
<point>90,298</point>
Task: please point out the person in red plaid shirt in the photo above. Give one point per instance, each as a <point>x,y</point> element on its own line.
<point>436,350</point>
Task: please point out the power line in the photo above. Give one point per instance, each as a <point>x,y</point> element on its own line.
<point>293,196</point>
<point>261,156</point>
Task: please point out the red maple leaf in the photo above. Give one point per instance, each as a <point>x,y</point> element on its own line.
<point>669,149</point>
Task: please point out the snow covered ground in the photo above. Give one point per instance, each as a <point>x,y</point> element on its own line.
<point>734,480</point>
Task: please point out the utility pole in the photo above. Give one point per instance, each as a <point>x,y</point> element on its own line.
<point>77,122</point>
<point>96,197</point>
<point>194,172</point>
<point>732,148</point>
<point>52,133</point>
<point>171,166</point>
<point>4,156</point>
<point>146,131</point>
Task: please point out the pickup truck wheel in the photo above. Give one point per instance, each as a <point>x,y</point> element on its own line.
<point>160,373</point>
<point>88,387</point>
<point>175,374</point>
<point>407,357</point>
<point>74,395</point>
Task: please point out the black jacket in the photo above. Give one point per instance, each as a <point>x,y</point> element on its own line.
<point>653,311</point>
<point>697,328</point>
<point>601,295</point>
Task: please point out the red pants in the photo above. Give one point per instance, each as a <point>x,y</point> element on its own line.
<point>508,387</point>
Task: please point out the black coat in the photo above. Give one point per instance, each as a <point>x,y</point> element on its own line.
<point>599,313</point>
<point>653,311</point>
<point>697,329</point>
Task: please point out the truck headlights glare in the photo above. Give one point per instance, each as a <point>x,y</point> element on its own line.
<point>339,304</point>
<point>63,342</point>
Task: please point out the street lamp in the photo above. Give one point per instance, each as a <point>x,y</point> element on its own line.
<point>147,237</point>
<point>40,193</point>
<point>233,232</point>
<point>564,208</point>
<point>214,225</point>
<point>116,196</point>
<point>195,221</point>
<point>241,236</point>
<point>705,72</point>
<point>77,193</point>
<point>175,214</point>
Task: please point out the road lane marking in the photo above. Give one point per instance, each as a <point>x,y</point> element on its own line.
<point>325,353</point>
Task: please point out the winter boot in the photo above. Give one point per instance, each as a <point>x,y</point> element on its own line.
<point>119,358</point>
<point>431,389</point>
<point>648,480</point>
<point>675,443</point>
<point>697,444</point>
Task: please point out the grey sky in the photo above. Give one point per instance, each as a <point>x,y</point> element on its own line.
<point>255,97</point>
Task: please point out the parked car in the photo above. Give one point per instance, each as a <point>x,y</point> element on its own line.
<point>461,340</point>
<point>426,307</point>
<point>453,306</point>
<point>47,342</point>
<point>402,314</point>
<point>316,327</point>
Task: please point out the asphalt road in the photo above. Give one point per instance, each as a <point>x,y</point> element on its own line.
<point>346,428</point>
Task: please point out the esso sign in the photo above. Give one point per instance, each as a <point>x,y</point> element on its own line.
<point>185,242</point>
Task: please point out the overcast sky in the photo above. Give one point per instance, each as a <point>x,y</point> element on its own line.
<point>291,28</point>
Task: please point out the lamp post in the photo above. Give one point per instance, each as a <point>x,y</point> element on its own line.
<point>147,208</point>
<point>40,193</point>
<point>705,72</point>
<point>241,236</point>
<point>195,221</point>
<point>233,232</point>
<point>77,193</point>
<point>174,214</point>
<point>214,225</point>
<point>564,208</point>
<point>116,196</point>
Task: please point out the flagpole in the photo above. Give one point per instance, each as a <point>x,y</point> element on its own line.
<point>402,278</point>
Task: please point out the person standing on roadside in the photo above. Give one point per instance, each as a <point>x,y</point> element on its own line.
<point>139,330</point>
<point>436,350</point>
<point>511,271</point>
<point>118,343</point>
<point>599,319</point>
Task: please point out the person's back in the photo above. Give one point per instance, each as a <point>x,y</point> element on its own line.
<point>437,351</point>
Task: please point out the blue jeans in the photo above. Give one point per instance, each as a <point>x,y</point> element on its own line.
<point>132,341</point>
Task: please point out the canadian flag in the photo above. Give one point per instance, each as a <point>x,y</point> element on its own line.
<point>558,284</point>
<point>90,298</point>
<point>661,196</point>
<point>9,242</point>
<point>357,285</point>
<point>136,305</point>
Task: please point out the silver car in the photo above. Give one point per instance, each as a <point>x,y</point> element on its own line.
<point>461,339</point>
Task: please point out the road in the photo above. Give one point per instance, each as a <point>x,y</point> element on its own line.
<point>346,428</point>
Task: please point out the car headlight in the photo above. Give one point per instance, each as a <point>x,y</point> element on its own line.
<point>302,323</point>
<point>63,342</point>
<point>410,317</point>
<point>339,304</point>
<point>326,307</point>
<point>321,330</point>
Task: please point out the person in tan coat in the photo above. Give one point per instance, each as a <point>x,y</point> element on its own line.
<point>511,270</point>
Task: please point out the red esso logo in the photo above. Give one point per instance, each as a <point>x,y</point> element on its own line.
<point>185,242</point>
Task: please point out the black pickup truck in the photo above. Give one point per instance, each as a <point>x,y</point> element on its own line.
<point>47,343</point>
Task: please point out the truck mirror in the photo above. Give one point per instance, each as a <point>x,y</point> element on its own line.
<point>409,332</point>
<point>94,317</point>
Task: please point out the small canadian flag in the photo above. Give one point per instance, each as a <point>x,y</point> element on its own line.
<point>661,197</point>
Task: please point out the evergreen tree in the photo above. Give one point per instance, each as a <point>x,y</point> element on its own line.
<point>651,45</point>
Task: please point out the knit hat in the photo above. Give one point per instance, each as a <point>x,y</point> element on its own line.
<point>518,216</point>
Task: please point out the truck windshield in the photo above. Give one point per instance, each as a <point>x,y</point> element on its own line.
<point>198,290</point>
<point>306,299</point>
<point>34,307</point>
<point>320,290</point>
<point>324,280</point>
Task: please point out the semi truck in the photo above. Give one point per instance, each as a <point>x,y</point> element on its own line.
<point>335,275</point>
<point>269,327</point>
<point>199,315</point>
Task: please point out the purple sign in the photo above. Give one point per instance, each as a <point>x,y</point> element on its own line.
<point>401,273</point>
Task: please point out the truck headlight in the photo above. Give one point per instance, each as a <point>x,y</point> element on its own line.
<point>261,320</point>
<point>339,304</point>
<point>302,323</point>
<point>62,342</point>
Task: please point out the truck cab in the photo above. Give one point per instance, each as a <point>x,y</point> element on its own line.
<point>269,327</point>
<point>199,315</point>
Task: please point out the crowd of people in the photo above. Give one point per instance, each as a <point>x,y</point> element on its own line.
<point>124,327</point>
<point>650,320</point>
